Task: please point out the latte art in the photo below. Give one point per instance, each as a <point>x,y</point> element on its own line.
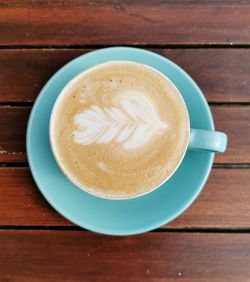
<point>119,129</point>
<point>132,124</point>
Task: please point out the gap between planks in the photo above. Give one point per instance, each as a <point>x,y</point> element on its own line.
<point>139,45</point>
<point>162,230</point>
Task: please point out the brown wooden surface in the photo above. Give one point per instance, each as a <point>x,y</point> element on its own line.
<point>124,22</point>
<point>210,40</point>
<point>13,123</point>
<point>81,256</point>
<point>222,74</point>
<point>235,121</point>
<point>224,202</point>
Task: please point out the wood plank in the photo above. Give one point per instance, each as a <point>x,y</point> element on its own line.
<point>83,256</point>
<point>131,22</point>
<point>223,203</point>
<point>235,121</point>
<point>222,74</point>
<point>24,72</point>
<point>23,203</point>
<point>13,123</point>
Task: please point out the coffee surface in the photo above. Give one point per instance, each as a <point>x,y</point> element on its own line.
<point>119,129</point>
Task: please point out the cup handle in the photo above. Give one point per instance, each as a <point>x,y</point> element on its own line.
<point>206,140</point>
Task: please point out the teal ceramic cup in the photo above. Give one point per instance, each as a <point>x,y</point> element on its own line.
<point>199,140</point>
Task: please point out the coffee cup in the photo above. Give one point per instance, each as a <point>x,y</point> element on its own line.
<point>120,129</point>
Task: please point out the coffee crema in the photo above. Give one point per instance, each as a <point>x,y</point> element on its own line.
<point>119,129</point>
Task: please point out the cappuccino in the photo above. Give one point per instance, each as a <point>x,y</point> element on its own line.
<point>119,129</point>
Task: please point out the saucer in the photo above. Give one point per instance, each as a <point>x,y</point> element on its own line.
<point>123,217</point>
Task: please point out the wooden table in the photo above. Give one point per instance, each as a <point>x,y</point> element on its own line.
<point>210,40</point>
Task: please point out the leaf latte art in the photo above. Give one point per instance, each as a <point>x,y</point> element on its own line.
<point>132,124</point>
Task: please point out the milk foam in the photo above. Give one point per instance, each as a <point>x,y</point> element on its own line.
<point>132,124</point>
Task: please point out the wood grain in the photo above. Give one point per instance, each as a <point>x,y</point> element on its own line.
<point>235,121</point>
<point>24,72</point>
<point>24,205</point>
<point>82,256</point>
<point>13,123</point>
<point>222,74</point>
<point>224,202</point>
<point>131,22</point>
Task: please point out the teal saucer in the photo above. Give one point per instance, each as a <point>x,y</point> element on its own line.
<point>124,217</point>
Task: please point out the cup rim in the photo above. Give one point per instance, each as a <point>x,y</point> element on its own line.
<point>61,96</point>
